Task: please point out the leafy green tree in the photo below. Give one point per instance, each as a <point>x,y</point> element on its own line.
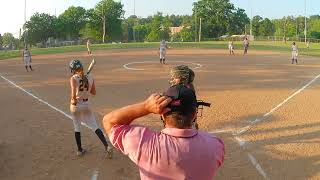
<point>215,15</point>
<point>278,25</point>
<point>109,13</point>
<point>187,21</point>
<point>1,42</point>
<point>176,20</point>
<point>314,27</point>
<point>237,22</point>
<point>256,22</point>
<point>132,21</point>
<point>92,28</point>
<point>142,32</point>
<point>125,31</point>
<point>159,28</point>
<point>266,28</point>
<point>290,26</point>
<point>89,32</point>
<point>40,28</point>
<point>72,21</point>
<point>144,21</point>
<point>8,40</point>
<point>187,34</point>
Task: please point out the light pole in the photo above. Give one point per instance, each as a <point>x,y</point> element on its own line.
<point>134,23</point>
<point>305,21</point>
<point>251,24</point>
<point>195,24</point>
<point>200,26</point>
<point>25,20</point>
<point>250,18</point>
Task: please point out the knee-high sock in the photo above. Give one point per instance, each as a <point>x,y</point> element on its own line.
<point>78,140</point>
<point>101,137</point>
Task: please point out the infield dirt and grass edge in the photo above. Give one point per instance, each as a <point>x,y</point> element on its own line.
<point>281,47</point>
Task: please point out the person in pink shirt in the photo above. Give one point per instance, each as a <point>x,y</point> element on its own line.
<point>178,151</point>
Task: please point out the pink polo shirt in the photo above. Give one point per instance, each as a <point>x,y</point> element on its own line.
<point>170,154</point>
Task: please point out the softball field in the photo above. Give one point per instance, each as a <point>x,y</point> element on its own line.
<point>266,110</point>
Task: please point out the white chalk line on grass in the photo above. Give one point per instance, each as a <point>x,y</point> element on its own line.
<point>96,172</point>
<point>126,66</point>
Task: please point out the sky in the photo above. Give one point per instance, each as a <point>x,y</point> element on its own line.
<point>11,21</point>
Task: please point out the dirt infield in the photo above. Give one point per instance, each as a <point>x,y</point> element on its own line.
<point>265,109</point>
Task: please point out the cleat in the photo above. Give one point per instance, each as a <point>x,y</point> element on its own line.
<point>81,153</point>
<point>109,152</point>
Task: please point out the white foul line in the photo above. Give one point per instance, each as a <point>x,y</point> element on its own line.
<point>96,172</point>
<point>257,166</point>
<point>246,128</point>
<point>240,141</point>
<point>95,175</point>
<point>40,100</point>
<point>153,62</point>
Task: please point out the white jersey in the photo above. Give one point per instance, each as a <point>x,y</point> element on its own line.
<point>26,57</point>
<point>26,53</point>
<point>88,44</point>
<point>230,45</point>
<point>246,42</point>
<point>294,48</point>
<point>163,46</point>
<point>83,88</point>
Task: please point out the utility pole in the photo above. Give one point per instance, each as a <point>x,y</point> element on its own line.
<point>251,24</point>
<point>25,20</point>
<point>297,27</point>
<point>104,23</point>
<point>134,7</point>
<point>284,30</point>
<point>134,23</point>
<point>195,25</point>
<point>200,30</point>
<point>305,21</point>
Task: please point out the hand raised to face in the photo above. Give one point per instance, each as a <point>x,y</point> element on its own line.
<point>157,104</point>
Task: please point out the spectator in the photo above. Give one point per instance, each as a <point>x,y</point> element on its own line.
<point>178,151</point>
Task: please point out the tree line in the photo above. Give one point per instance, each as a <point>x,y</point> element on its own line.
<point>106,23</point>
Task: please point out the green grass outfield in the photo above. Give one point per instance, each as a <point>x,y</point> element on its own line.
<point>256,45</point>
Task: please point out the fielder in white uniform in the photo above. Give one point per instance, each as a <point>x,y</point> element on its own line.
<point>27,59</point>
<point>294,56</point>
<point>89,46</point>
<point>245,45</point>
<point>231,48</point>
<point>82,87</point>
<point>163,51</point>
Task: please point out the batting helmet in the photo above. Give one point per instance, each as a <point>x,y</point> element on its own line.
<point>75,65</point>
